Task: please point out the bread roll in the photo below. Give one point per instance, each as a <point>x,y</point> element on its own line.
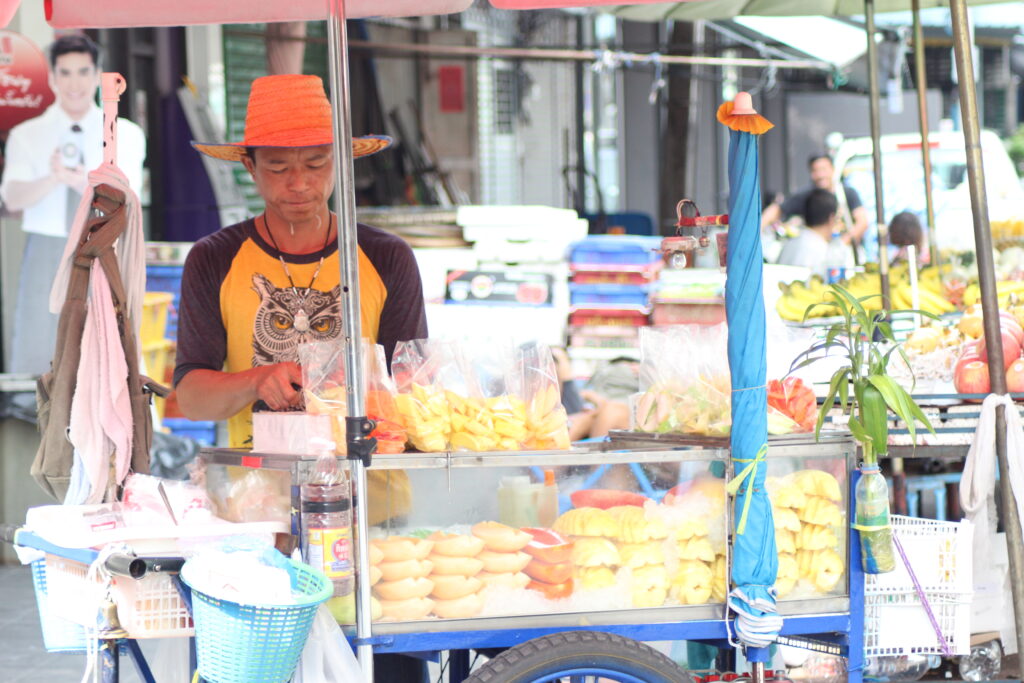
<point>500,538</point>
<point>503,563</point>
<point>405,589</point>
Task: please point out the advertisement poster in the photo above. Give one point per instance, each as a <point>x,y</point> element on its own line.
<point>24,87</point>
<point>499,287</point>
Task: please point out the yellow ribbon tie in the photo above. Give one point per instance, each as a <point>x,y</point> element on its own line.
<point>746,473</point>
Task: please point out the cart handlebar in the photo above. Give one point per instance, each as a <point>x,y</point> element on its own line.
<point>120,564</point>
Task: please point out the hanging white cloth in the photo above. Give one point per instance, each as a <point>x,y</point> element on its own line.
<point>977,485</point>
<point>130,247</point>
<point>101,414</point>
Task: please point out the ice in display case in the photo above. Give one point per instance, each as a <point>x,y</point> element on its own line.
<point>608,534</point>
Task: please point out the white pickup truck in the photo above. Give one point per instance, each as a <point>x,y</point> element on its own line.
<point>903,181</point>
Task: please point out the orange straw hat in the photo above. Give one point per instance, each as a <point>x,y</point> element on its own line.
<point>289,110</point>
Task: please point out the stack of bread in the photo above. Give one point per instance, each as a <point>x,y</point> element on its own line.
<point>502,556</point>
<point>455,566</point>
<point>809,523</point>
<point>403,584</point>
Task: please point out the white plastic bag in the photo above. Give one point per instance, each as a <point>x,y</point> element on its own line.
<point>327,656</point>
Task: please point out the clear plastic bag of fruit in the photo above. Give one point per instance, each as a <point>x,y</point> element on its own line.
<point>324,390</point>
<point>380,401</point>
<point>419,367</point>
<point>547,424</point>
<point>684,381</point>
<point>488,412</point>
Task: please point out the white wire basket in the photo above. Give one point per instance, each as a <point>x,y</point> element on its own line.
<point>897,624</point>
<point>150,607</point>
<point>940,553</point>
<point>895,619</point>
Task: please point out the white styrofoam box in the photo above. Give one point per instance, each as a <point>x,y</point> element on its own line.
<point>534,251</point>
<point>521,224</point>
<point>502,215</point>
<point>434,265</point>
<point>294,433</point>
<point>521,324</point>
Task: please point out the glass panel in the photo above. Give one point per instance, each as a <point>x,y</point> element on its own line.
<point>809,507</point>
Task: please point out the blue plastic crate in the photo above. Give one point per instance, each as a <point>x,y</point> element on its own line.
<point>59,634</point>
<point>626,295</point>
<point>203,432</point>
<point>616,250</point>
<point>167,279</point>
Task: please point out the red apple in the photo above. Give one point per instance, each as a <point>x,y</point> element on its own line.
<point>1011,349</point>
<point>972,378</point>
<point>1008,323</point>
<point>1015,377</point>
<point>969,355</point>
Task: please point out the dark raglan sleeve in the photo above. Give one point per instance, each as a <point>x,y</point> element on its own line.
<point>202,337</point>
<point>404,316</point>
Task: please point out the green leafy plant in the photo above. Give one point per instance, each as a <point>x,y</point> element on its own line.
<point>863,388</point>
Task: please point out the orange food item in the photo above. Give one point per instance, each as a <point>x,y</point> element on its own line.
<point>549,573</point>
<point>548,546</point>
<point>552,591</point>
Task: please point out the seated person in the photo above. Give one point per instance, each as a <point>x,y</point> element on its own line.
<point>603,405</point>
<point>810,247</point>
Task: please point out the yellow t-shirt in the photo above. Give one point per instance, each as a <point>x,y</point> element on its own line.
<point>240,310</point>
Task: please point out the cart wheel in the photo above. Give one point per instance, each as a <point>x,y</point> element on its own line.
<point>580,656</point>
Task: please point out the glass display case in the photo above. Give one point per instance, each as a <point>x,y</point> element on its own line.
<point>606,535</point>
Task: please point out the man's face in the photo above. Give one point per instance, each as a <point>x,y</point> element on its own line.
<point>295,183</point>
<point>74,79</point>
<point>821,173</point>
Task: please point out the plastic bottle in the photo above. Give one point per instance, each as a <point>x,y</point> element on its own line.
<point>835,259</point>
<point>547,505</point>
<point>327,527</point>
<point>898,668</point>
<point>872,512</point>
<point>984,663</point>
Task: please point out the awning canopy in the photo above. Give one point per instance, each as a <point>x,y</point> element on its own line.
<point>727,9</point>
<point>823,38</point>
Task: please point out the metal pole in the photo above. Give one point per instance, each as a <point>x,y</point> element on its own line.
<point>921,80</point>
<point>345,208</point>
<point>962,49</point>
<point>876,152</point>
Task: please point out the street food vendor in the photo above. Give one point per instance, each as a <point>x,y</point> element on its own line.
<point>253,291</point>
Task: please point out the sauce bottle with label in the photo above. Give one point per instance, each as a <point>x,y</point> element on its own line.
<point>327,531</point>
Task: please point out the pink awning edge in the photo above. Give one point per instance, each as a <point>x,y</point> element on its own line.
<point>129,13</point>
<point>556,4</point>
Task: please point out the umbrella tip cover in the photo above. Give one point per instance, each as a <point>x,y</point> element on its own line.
<point>742,104</point>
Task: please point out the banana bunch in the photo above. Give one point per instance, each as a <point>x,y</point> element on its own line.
<point>929,300</point>
<point>1005,288</point>
<point>797,296</point>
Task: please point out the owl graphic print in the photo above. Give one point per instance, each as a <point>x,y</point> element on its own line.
<point>239,308</point>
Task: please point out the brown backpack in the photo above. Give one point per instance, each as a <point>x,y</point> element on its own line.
<point>55,389</point>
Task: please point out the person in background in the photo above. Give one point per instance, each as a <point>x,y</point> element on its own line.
<point>603,405</point>
<point>47,161</point>
<point>849,207</point>
<point>905,230</point>
<point>809,248</point>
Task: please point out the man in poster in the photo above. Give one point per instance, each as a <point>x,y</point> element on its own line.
<point>47,162</point>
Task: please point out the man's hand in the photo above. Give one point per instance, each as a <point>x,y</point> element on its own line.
<point>274,385</point>
<point>75,178</point>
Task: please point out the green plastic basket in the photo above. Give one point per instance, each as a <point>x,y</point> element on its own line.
<point>238,643</point>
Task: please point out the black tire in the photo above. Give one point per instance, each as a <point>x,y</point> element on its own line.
<point>563,652</point>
